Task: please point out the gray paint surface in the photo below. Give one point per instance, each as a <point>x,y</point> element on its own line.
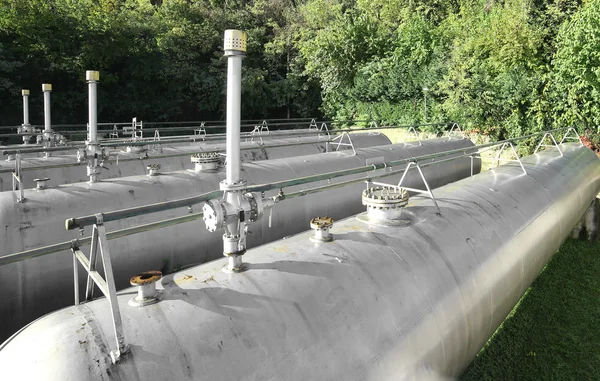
<point>378,303</point>
<point>40,220</point>
<point>65,169</point>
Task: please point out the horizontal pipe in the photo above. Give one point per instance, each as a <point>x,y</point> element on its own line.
<point>55,248</point>
<point>58,247</point>
<point>73,223</point>
<point>79,222</point>
<point>6,170</point>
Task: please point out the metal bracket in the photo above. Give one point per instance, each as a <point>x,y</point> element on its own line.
<point>340,142</point>
<point>200,131</point>
<point>412,128</point>
<point>497,159</point>
<point>373,124</point>
<point>456,127</point>
<point>427,190</point>
<point>324,127</point>
<point>313,125</point>
<point>576,137</point>
<point>107,286</point>
<point>548,145</point>
<point>17,181</point>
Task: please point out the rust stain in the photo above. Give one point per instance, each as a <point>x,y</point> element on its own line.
<point>281,249</point>
<point>212,278</point>
<point>186,278</point>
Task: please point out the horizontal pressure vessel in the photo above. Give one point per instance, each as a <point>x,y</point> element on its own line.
<point>381,302</point>
<point>65,168</point>
<point>40,220</point>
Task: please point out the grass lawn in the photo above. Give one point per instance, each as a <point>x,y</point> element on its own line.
<point>554,332</point>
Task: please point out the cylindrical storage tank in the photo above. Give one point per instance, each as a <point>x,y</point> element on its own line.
<point>409,301</point>
<point>65,169</point>
<point>40,220</point>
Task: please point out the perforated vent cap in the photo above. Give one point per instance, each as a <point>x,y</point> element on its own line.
<point>235,40</point>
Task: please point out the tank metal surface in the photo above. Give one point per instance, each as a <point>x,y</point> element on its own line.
<point>66,169</point>
<point>39,221</point>
<point>380,301</point>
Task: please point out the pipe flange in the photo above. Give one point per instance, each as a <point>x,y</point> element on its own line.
<point>321,226</point>
<point>146,277</point>
<point>146,285</point>
<point>41,183</point>
<point>153,169</point>
<point>385,197</point>
<point>206,157</point>
<point>213,215</point>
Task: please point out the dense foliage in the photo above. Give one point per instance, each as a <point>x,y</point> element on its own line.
<point>503,67</point>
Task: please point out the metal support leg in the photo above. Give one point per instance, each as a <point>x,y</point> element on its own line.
<point>106,285</point>
<point>576,137</point>
<point>89,289</point>
<point>547,145</point>
<point>497,159</point>
<point>414,131</point>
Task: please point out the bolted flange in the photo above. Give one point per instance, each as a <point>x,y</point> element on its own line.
<point>153,169</point>
<point>385,202</point>
<point>41,183</point>
<point>146,286</point>
<point>206,161</point>
<point>321,226</point>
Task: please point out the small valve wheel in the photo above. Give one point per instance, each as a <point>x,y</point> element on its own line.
<point>321,226</point>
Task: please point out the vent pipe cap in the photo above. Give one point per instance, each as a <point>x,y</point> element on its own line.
<point>235,42</point>
<point>92,75</point>
<point>46,87</point>
<point>25,92</point>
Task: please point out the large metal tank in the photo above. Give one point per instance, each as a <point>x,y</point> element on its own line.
<point>410,301</point>
<point>65,169</point>
<point>40,220</point>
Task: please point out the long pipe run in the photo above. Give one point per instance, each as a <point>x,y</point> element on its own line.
<point>55,248</point>
<point>79,222</point>
<point>47,89</point>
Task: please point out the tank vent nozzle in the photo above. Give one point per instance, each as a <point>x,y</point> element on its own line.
<point>146,286</point>
<point>41,183</point>
<point>321,226</point>
<point>385,202</point>
<point>153,169</point>
<point>206,161</point>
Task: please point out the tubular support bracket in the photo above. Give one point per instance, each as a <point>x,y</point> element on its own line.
<point>373,124</point>
<point>324,128</point>
<point>567,137</point>
<point>107,286</point>
<point>497,159</point>
<point>340,142</point>
<point>456,128</point>
<point>427,191</point>
<point>313,125</point>
<point>548,145</point>
<point>414,132</point>
<point>17,179</point>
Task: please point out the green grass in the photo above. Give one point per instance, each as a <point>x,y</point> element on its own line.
<point>554,332</point>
